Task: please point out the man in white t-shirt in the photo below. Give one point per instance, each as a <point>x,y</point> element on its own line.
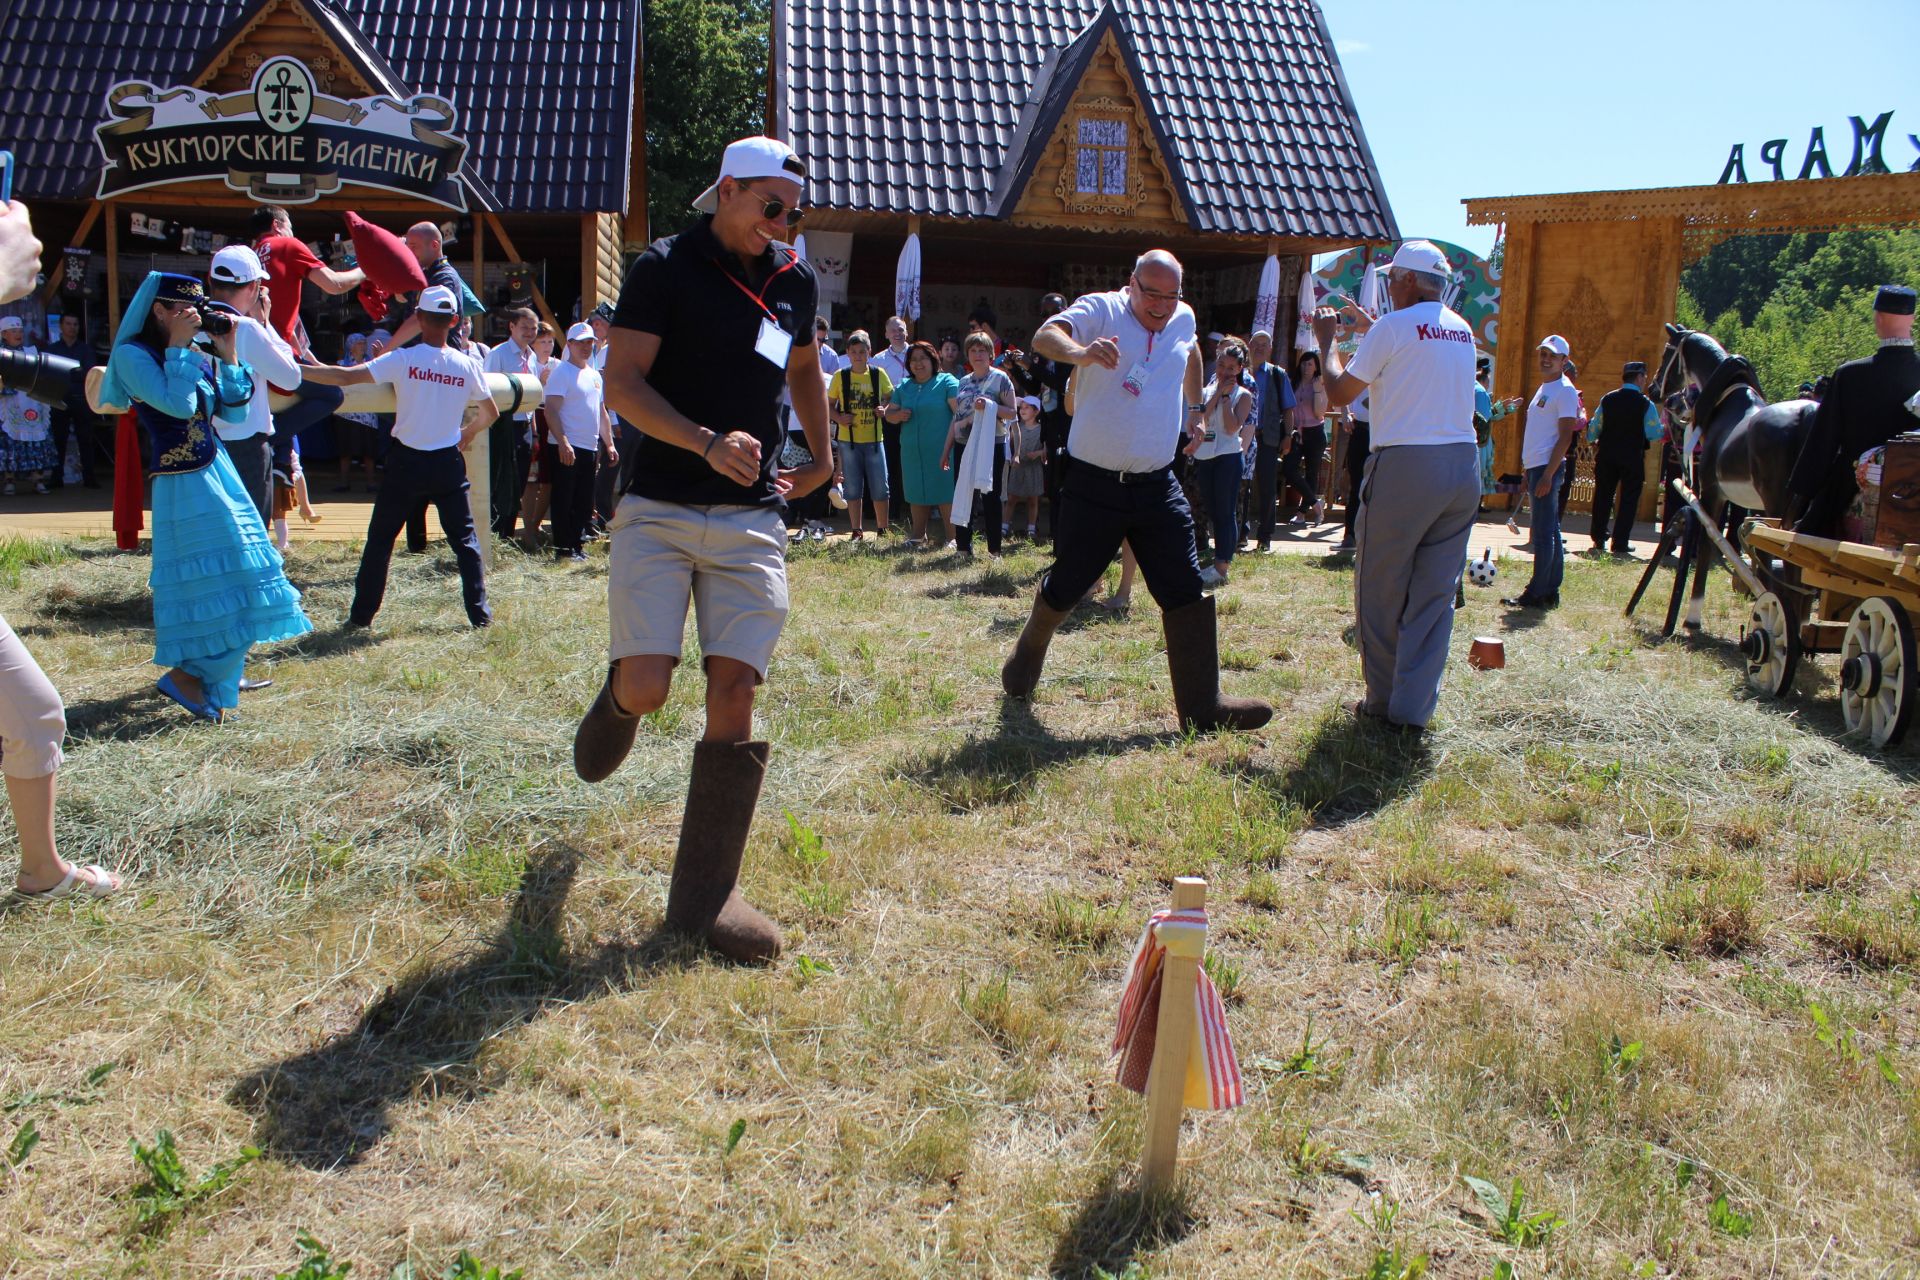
<point>1136,400</point>
<point>1421,489</point>
<point>235,284</point>
<point>1553,422</point>
<point>441,404</point>
<point>578,427</point>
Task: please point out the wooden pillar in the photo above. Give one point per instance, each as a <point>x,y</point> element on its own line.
<point>589,262</point>
<point>480,453</point>
<point>1513,369</point>
<point>113,266</point>
<point>1173,1040</point>
<point>1666,252</point>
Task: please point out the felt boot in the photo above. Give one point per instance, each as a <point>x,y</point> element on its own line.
<point>703,900</point>
<point>1193,660</point>
<point>1022,671</point>
<point>604,737</point>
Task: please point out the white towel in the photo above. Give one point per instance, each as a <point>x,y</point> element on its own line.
<point>976,465</point>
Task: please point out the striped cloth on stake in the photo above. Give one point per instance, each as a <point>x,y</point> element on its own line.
<point>1213,1072</point>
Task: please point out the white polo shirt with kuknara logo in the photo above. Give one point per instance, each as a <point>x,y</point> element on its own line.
<point>432,387</point>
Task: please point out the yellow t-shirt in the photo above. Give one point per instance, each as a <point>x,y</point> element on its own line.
<point>855,393</point>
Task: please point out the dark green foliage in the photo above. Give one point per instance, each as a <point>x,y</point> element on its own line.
<point>706,84</point>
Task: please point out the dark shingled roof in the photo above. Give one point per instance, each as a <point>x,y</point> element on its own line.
<point>928,107</point>
<point>545,93</point>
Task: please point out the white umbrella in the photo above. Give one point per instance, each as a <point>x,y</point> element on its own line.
<point>800,246</point>
<point>1266,299</point>
<point>1370,290</point>
<point>906,281</point>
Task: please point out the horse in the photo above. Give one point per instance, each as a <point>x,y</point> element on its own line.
<point>1747,447</point>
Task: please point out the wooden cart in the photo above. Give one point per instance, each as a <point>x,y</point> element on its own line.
<point>1849,598</point>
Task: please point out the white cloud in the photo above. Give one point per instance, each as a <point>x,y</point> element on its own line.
<point>1345,47</point>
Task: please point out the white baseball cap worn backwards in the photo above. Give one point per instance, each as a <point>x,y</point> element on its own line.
<point>751,158</point>
<point>439,301</point>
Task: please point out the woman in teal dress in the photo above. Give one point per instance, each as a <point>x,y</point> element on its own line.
<point>924,404</point>
<point>219,587</point>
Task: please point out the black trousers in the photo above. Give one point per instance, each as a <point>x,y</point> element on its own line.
<point>1098,511</point>
<point>502,469</point>
<point>253,459</point>
<point>573,487</point>
<point>1627,477</point>
<point>1301,467</point>
<point>1266,478</point>
<point>1359,445</point>
<point>66,425</point>
<point>414,477</point>
<point>890,448</point>
<point>986,506</point>
<point>1054,429</point>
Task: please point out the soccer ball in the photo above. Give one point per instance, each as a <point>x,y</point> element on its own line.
<point>1483,571</point>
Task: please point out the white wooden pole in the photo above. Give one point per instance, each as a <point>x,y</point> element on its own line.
<point>1186,945</point>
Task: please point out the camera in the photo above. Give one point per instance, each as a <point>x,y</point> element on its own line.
<point>215,324</point>
<point>43,377</point>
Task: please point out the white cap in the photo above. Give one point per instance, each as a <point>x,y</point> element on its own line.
<point>582,332</point>
<point>438,300</point>
<point>1421,255</point>
<point>1555,343</point>
<point>11,322</point>
<point>751,158</point>
<point>237,264</point>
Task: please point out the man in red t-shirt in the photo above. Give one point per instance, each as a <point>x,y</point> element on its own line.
<point>291,264</point>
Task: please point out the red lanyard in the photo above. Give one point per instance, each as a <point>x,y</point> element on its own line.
<point>760,298</point>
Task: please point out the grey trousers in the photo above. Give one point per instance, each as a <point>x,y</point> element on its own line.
<point>1416,515</point>
<point>253,459</point>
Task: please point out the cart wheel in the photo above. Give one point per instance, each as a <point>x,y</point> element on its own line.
<point>1877,671</point>
<point>1772,646</point>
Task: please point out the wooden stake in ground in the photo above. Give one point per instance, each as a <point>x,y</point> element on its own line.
<point>1186,945</point>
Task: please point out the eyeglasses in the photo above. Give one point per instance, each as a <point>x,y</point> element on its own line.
<point>774,208</point>
<point>1156,295</point>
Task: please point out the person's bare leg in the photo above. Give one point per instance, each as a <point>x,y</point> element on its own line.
<point>917,515</point>
<point>731,685</point>
<point>946,521</point>
<point>880,514</point>
<point>188,684</point>
<point>41,866</point>
<point>1123,594</point>
<point>641,685</point>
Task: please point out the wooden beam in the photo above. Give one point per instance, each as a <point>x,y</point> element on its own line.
<point>589,262</point>
<point>513,256</point>
<point>59,272</point>
<point>112,215</point>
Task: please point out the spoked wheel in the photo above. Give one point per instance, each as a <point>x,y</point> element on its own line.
<point>1877,672</point>
<point>1771,645</point>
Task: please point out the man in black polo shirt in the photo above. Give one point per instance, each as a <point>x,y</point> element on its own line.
<point>712,325</point>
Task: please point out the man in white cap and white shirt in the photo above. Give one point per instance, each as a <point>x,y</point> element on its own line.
<point>578,427</point>
<point>1421,488</point>
<point>712,325</point>
<point>1553,422</point>
<point>441,404</point>
<point>236,286</point>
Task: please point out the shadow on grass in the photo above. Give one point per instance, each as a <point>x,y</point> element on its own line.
<point>1004,767</point>
<point>1351,769</point>
<point>330,1107</point>
<point>1113,1225</point>
<point>324,641</point>
<point>131,716</point>
<point>72,608</point>
<point>993,582</point>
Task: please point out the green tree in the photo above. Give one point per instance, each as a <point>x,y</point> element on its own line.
<point>705,73</point>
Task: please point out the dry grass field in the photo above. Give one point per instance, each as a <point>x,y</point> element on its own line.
<point>1617,939</point>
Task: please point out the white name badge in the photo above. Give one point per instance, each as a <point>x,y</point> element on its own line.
<point>775,343</point>
<point>1136,380</point>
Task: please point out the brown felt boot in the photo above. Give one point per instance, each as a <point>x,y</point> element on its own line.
<point>1193,660</point>
<point>703,901</point>
<point>604,737</point>
<point>1022,671</point>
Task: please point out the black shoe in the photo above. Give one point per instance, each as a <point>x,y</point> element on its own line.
<point>1522,601</point>
<point>355,624</point>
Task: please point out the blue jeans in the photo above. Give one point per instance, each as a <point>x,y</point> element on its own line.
<point>1219,479</point>
<point>1549,559</point>
<point>864,468</point>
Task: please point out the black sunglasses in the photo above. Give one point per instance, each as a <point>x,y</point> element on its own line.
<point>775,208</point>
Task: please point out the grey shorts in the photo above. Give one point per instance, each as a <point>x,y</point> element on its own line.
<point>729,562</point>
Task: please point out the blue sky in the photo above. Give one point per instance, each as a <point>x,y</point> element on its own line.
<point>1500,97</point>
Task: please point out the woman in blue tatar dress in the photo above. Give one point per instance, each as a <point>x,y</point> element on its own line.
<point>218,584</point>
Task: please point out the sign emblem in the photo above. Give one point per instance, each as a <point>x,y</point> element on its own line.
<point>283,94</point>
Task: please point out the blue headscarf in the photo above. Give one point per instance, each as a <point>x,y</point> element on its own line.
<point>132,322</point>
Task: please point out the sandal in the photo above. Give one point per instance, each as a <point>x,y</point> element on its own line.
<point>98,883</point>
